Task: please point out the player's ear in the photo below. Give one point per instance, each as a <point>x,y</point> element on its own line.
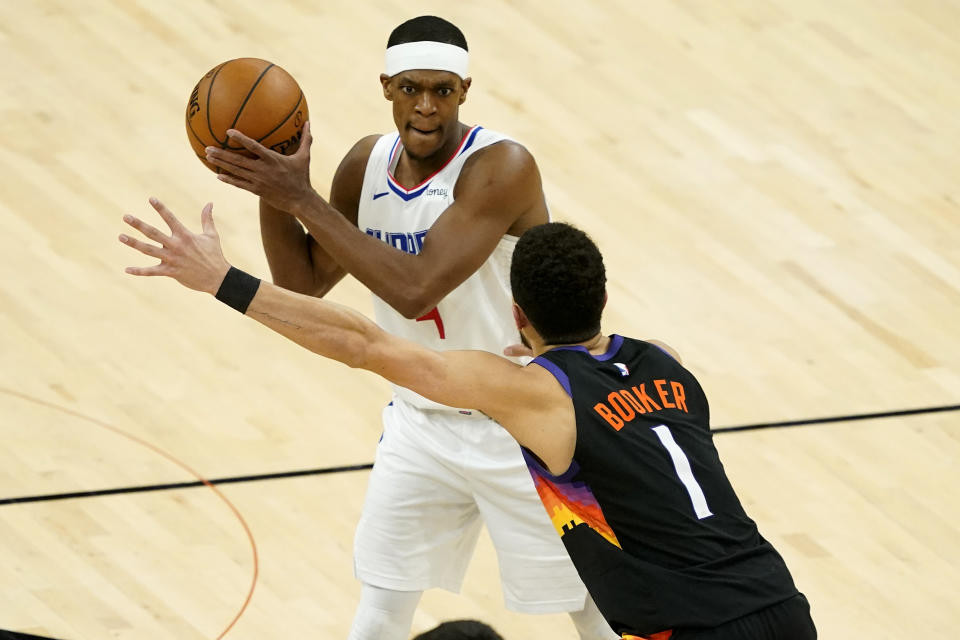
<point>387,89</point>
<point>464,87</point>
<point>605,297</point>
<point>519,317</point>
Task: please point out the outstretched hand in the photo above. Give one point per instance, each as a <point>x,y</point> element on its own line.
<point>194,260</point>
<point>281,181</point>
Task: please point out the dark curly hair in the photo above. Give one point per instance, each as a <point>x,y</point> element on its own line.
<point>558,280</point>
<point>460,630</point>
<point>427,28</point>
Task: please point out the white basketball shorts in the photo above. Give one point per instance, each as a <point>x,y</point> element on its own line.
<point>436,476</point>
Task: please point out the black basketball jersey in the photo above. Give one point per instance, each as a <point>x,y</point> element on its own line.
<point>645,510</point>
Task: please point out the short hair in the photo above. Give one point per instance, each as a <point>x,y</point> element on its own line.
<point>430,29</point>
<point>460,630</point>
<point>559,281</point>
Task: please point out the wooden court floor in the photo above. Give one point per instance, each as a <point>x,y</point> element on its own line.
<point>775,186</point>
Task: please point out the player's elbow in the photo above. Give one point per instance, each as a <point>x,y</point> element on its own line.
<point>416,310</point>
<point>320,289</point>
<point>304,285</point>
<point>415,303</point>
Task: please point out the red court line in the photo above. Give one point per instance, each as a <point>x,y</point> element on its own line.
<point>179,463</point>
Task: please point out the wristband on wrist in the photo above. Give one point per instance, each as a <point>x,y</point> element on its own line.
<point>237,289</point>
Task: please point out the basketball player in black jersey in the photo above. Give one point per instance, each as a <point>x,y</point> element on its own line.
<point>616,433</point>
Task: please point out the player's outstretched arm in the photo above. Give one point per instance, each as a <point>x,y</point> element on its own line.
<point>528,402</point>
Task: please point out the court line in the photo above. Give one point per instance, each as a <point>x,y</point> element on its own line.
<point>849,418</point>
<point>17,635</point>
<point>185,485</point>
<point>201,482</point>
<point>366,466</point>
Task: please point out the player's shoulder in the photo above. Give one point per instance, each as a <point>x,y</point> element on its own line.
<point>354,164</point>
<point>665,348</point>
<point>653,351</point>
<point>356,158</point>
<point>502,151</point>
<point>348,179</point>
<point>504,161</point>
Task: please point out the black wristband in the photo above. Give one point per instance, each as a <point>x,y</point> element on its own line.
<point>237,289</point>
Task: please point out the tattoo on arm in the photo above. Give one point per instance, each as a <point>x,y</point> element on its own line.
<point>273,318</point>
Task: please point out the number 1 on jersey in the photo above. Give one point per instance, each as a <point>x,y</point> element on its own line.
<point>682,466</point>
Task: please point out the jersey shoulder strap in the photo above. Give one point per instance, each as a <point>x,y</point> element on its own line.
<point>377,161</point>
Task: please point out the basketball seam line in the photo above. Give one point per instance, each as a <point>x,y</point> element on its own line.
<point>284,121</point>
<point>225,142</point>
<point>200,140</point>
<point>209,91</point>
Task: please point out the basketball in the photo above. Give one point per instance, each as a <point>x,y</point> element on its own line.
<point>250,95</point>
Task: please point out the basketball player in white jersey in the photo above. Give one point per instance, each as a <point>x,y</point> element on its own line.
<point>427,219</point>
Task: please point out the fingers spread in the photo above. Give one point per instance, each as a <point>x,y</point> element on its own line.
<point>147,249</point>
<point>168,217</point>
<point>146,229</point>
<point>156,270</point>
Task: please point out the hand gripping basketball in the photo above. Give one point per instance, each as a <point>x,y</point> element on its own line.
<point>282,181</point>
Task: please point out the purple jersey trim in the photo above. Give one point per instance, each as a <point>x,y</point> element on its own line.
<point>534,464</point>
<point>556,371</point>
<point>667,353</point>
<point>616,341</point>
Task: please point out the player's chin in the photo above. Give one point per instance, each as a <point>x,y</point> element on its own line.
<point>422,144</point>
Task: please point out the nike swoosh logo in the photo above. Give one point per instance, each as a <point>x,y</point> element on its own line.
<point>380,195</point>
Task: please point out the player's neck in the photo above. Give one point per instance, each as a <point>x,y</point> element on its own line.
<point>597,345</point>
<point>411,170</point>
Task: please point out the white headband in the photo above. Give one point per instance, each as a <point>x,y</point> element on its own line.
<point>425,54</point>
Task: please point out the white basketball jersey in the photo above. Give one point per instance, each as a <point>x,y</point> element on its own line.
<point>477,314</point>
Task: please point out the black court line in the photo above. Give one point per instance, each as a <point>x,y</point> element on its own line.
<point>16,635</point>
<point>364,467</point>
<point>850,418</point>
<point>184,485</point>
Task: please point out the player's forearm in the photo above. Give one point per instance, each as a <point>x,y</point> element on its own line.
<point>454,378</point>
<point>394,276</point>
<point>326,328</point>
<point>287,248</point>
